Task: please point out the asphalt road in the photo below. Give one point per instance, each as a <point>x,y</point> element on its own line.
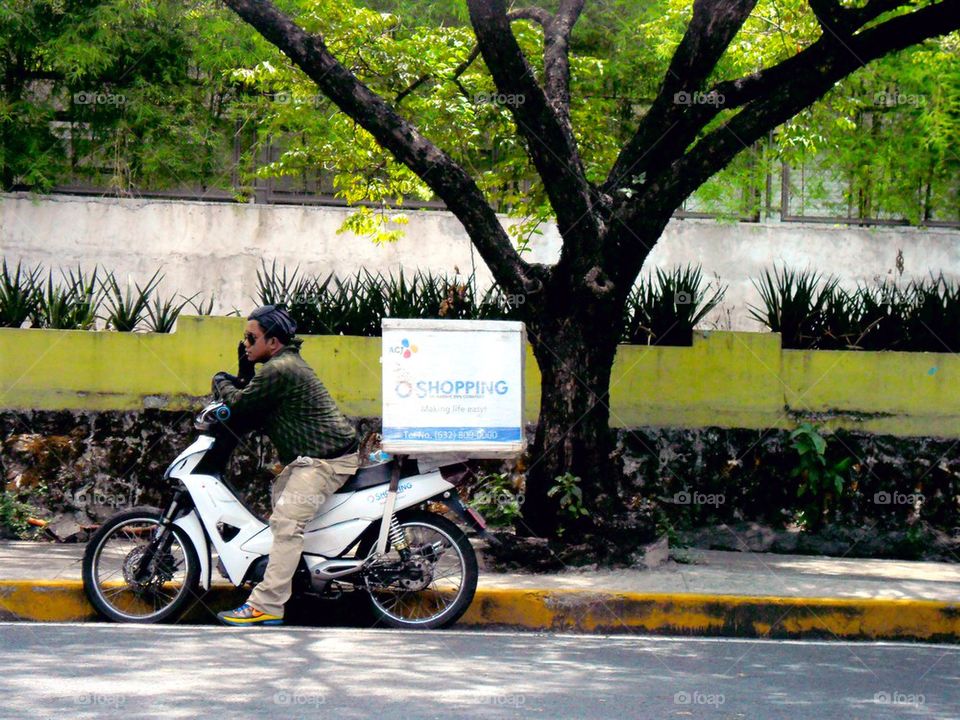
<point>110,671</point>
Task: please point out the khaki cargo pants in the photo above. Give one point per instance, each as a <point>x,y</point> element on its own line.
<point>298,492</point>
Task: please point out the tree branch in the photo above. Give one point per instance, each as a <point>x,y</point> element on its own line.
<point>668,127</point>
<point>556,56</point>
<point>536,14</point>
<point>437,169</point>
<point>842,21</point>
<point>780,92</point>
<point>731,94</point>
<point>549,135</point>
<point>457,72</point>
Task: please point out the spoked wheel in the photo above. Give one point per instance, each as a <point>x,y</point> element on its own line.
<point>428,584</point>
<point>132,574</point>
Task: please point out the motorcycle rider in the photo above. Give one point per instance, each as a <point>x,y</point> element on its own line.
<point>316,443</point>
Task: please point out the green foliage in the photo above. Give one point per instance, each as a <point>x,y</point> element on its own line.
<point>163,314</point>
<point>356,306</point>
<point>127,308</point>
<point>885,138</point>
<point>497,499</point>
<point>199,307</point>
<point>14,515</point>
<point>881,312</point>
<point>812,312</point>
<point>794,303</point>
<point>566,488</point>
<point>18,295</point>
<point>135,96</point>
<point>822,482</point>
<point>72,305</point>
<point>665,311</point>
<point>932,325</point>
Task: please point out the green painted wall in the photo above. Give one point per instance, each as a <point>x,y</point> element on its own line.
<point>726,379</point>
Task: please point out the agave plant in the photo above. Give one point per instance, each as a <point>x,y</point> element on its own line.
<point>841,326</point>
<point>301,301</point>
<point>793,305</point>
<point>18,295</point>
<point>275,287</point>
<point>637,327</point>
<point>70,306</point>
<point>126,308</point>
<point>666,310</point>
<point>933,322</point>
<point>349,307</point>
<point>495,305</point>
<point>163,314</point>
<point>201,308</point>
<point>400,296</point>
<point>885,312</point>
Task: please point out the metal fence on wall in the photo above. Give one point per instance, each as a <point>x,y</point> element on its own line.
<point>791,204</point>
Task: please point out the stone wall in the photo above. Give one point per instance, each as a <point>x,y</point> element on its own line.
<point>81,467</point>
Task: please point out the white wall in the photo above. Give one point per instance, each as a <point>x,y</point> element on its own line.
<point>217,247</point>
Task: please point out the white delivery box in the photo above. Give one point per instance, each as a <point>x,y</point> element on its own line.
<point>453,386</point>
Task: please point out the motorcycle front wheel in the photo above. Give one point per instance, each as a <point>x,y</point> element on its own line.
<point>427,584</point>
<point>132,574</point>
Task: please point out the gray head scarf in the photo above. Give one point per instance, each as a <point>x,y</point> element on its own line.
<point>276,322</point>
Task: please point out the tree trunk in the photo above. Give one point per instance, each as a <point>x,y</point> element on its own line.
<point>575,352</point>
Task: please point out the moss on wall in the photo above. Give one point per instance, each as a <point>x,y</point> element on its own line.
<point>726,379</point>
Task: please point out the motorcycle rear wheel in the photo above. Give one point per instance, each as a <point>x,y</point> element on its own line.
<point>112,577</point>
<point>446,569</point>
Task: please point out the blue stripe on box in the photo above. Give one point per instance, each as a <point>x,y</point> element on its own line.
<point>453,434</point>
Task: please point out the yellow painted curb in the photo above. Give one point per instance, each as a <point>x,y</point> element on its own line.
<point>716,615</point>
<point>598,612</point>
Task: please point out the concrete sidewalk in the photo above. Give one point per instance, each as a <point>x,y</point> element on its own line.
<point>717,593</point>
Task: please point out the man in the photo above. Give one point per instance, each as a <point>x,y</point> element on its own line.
<point>314,440</point>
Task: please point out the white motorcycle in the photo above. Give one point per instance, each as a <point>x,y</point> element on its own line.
<point>376,536</point>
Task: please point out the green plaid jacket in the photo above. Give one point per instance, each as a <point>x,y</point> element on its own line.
<point>287,401</point>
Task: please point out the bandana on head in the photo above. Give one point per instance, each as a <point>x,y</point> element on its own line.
<point>276,322</point>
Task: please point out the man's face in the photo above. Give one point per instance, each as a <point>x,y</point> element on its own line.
<point>259,348</point>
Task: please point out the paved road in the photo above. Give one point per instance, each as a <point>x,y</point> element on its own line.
<point>109,671</point>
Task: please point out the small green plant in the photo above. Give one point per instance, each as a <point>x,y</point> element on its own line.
<point>566,488</point>
<point>276,286</point>
<point>14,515</point>
<point>931,324</point>
<point>665,310</point>
<point>203,308</point>
<point>884,314</point>
<point>498,499</point>
<point>352,306</point>
<point>70,306</point>
<point>496,305</point>
<point>126,309</point>
<point>793,305</point>
<point>18,295</point>
<point>163,314</point>
<point>822,482</point>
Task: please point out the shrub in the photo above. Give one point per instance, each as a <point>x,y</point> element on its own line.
<point>666,310</point>
<point>127,308</point>
<point>18,295</point>
<point>794,304</point>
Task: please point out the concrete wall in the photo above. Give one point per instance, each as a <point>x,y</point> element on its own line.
<point>217,247</point>
<point>728,380</point>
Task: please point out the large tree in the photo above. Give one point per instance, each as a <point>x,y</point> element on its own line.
<point>694,127</point>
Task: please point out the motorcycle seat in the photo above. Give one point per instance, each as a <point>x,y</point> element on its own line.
<point>379,474</point>
<point>367,477</point>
